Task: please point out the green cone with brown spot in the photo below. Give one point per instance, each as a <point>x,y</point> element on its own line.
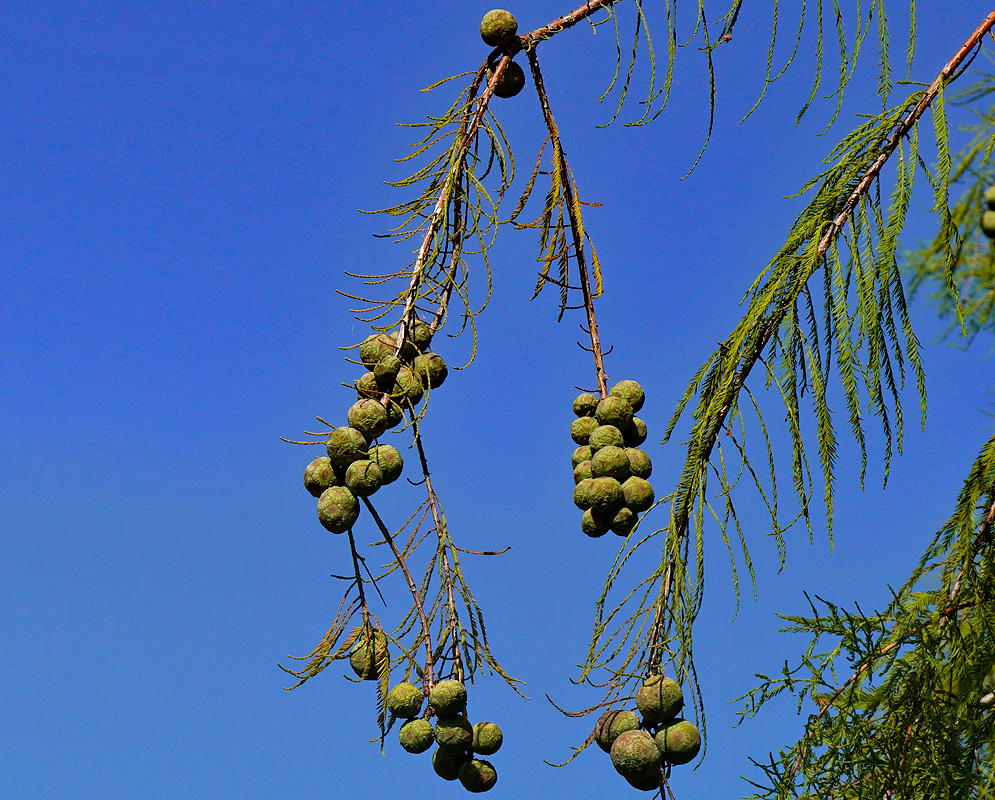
<point>638,493</point>
<point>338,509</point>
<point>678,742</point>
<point>389,460</point>
<point>610,462</point>
<point>363,478</point>
<point>615,411</point>
<point>447,763</point>
<point>605,436</point>
<point>454,732</point>
<point>631,391</point>
<point>498,27</point>
<point>611,725</point>
<point>320,475</point>
<point>477,775</point>
<point>582,428</point>
<point>369,417</point>
<point>404,700</point>
<point>585,405</point>
<point>448,698</point>
<point>416,735</point>
<point>659,699</point>
<point>487,738</point>
<point>635,755</point>
<point>345,445</point>
<point>367,654</point>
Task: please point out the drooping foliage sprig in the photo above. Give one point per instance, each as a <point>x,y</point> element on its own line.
<point>915,716</point>
<point>861,340</point>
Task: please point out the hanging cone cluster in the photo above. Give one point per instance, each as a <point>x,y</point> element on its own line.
<point>397,380</point>
<point>610,470</point>
<point>458,743</point>
<point>642,745</point>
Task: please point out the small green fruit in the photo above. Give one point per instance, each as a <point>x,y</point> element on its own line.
<point>367,386</point>
<point>374,347</point>
<point>606,496</point>
<point>638,494</point>
<point>386,370</point>
<point>659,699</point>
<point>420,334</point>
<point>649,782</point>
<point>404,701</point>
<point>631,391</point>
<point>416,735</point>
<point>624,521</point>
<point>498,27</point>
<point>583,498</point>
<point>395,416</point>
<point>594,525</point>
<point>582,428</point>
<point>363,478</point>
<point>369,417</point>
<point>582,470</point>
<point>585,404</point>
<point>487,738</point>
<point>639,463</point>
<point>511,82</point>
<point>605,436</point>
<point>345,445</point>
<point>367,666</point>
<point>582,453</point>
<point>338,509</point>
<point>389,460</point>
<point>477,775</point>
<point>431,369</point>
<point>448,698</point>
<point>613,410</point>
<point>408,386</point>
<point>635,755</point>
<point>320,475</point>
<point>987,223</point>
<point>611,462</point>
<point>454,732</point>
<point>613,724</point>
<point>679,742</point>
<point>447,763</point>
<point>635,433</point>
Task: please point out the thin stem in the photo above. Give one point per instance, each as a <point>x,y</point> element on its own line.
<point>426,632</point>
<point>578,237</point>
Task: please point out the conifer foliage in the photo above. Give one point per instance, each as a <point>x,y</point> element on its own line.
<point>827,313</point>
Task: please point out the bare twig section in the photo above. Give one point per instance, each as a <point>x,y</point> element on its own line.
<point>530,40</point>
<point>416,597</point>
<point>576,226</point>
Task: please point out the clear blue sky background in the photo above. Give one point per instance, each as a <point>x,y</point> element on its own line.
<point>179,192</point>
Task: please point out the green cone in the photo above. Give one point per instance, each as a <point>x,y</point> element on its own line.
<point>416,735</point>
<point>448,697</point>
<point>611,725</point>
<point>404,701</point>
<point>320,475</point>
<point>498,27</point>
<point>338,509</point>
<point>659,699</point>
<point>487,738</point>
<point>389,460</point>
<point>678,742</point>
<point>477,775</point>
<point>363,478</point>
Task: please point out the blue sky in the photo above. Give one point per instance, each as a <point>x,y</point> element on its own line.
<point>180,186</point>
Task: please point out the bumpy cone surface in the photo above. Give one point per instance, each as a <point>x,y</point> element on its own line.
<point>395,416</point>
<point>624,521</point>
<point>639,463</point>
<point>404,701</point>
<point>605,436</point>
<point>416,735</point>
<point>659,699</point>
<point>454,732</point>
<point>375,347</point>
<point>615,411</point>
<point>386,370</point>
<point>611,462</point>
<point>364,658</point>
<point>338,509</point>
<point>582,428</point>
<point>368,417</point>
<point>319,475</point>
<point>389,460</point>
<point>477,775</point>
<point>363,478</point>
<point>582,453</point>
<point>611,725</point>
<point>487,738</point>
<point>511,82</point>
<point>638,494</point>
<point>447,763</point>
<point>367,386</point>
<point>631,391</point>
<point>448,698</point>
<point>594,526</point>
<point>635,755</point>
<point>585,404</point>
<point>498,27</point>
<point>606,496</point>
<point>649,782</point>
<point>635,433</point>
<point>420,334</point>
<point>582,470</point>
<point>431,369</point>
<point>345,445</point>
<point>583,498</point>
<point>408,386</point>
<point>679,742</point>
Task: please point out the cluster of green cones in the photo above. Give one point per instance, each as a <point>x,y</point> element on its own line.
<point>641,748</point>
<point>499,29</point>
<point>458,743</point>
<point>988,215</point>
<point>354,466</point>
<point>610,470</point>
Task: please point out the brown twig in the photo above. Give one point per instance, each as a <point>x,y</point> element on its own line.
<point>575,231</point>
<point>426,632</point>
